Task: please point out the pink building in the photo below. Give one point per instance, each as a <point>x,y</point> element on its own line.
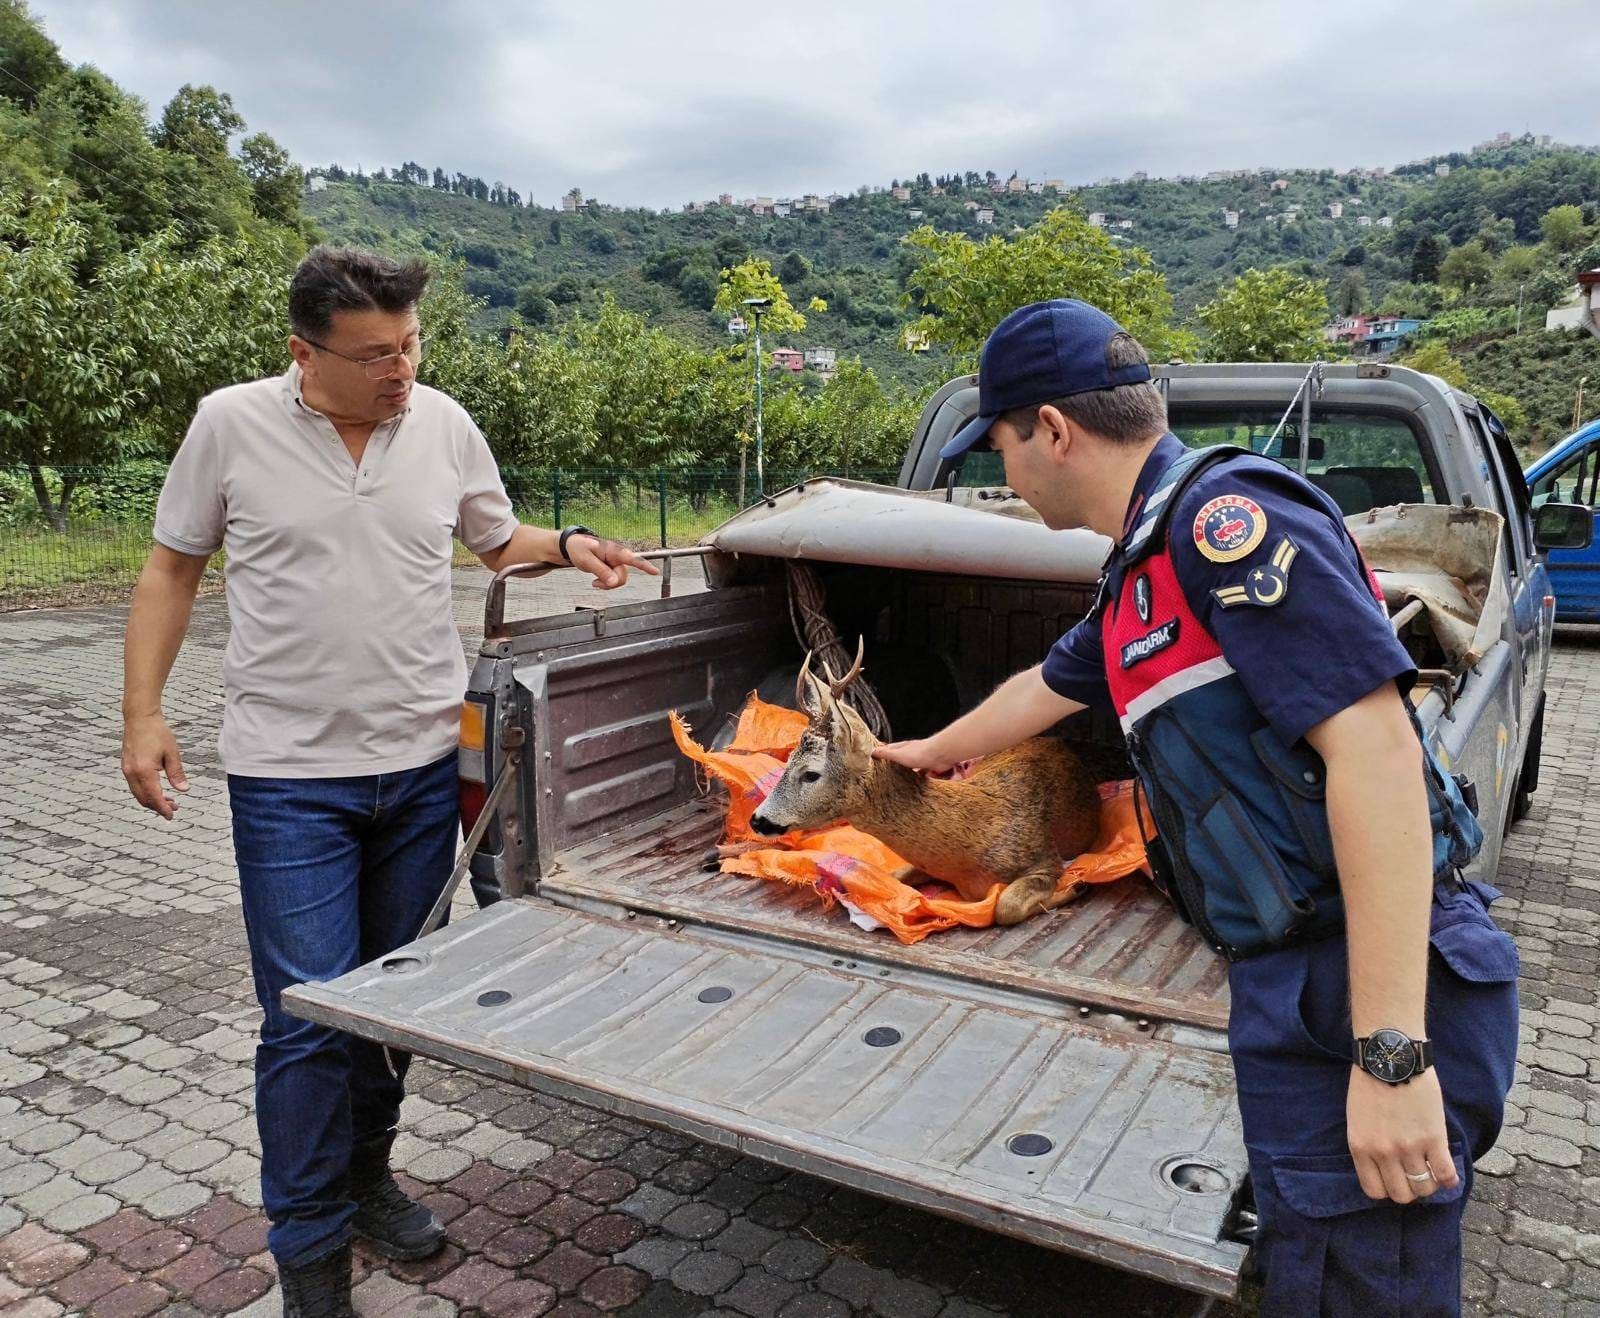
<point>788,359</point>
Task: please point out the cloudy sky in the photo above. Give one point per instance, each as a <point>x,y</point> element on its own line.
<point>654,102</point>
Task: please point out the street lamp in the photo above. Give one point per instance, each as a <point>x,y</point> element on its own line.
<point>757,305</point>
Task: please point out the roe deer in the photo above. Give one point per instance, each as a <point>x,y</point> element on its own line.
<point>1012,821</point>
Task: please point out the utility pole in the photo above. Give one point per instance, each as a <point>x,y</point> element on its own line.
<point>757,305</point>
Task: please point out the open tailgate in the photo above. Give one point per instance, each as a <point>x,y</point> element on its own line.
<point>1085,1135</point>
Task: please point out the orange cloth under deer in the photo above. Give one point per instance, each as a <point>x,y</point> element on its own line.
<point>843,864</point>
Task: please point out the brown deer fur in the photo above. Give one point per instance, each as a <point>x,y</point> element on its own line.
<point>1012,821</point>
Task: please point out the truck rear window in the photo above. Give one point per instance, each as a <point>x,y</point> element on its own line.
<point>1361,460</point>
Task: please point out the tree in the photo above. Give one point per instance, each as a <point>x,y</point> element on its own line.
<point>1562,228</point>
<point>965,288</point>
<point>275,180</point>
<point>199,121</point>
<point>27,53</point>
<point>1425,259</point>
<point>99,368</point>
<point>754,278</point>
<point>1467,267</point>
<point>794,268</point>
<point>1352,294</point>
<point>1266,316</point>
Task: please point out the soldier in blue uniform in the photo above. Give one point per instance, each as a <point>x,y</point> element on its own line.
<point>1307,832</point>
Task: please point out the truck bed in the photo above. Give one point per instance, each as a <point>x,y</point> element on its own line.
<point>1120,947</point>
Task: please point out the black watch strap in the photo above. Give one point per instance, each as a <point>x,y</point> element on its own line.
<point>566,533</point>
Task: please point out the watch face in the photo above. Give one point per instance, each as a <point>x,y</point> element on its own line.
<point>1390,1056</point>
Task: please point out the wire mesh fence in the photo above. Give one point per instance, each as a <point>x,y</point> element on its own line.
<point>90,545</point>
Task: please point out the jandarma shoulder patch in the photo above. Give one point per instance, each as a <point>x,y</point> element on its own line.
<point>1229,527</point>
<point>1266,584</point>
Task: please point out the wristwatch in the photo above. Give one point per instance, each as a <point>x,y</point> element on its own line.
<point>1393,1056</point>
<point>566,533</point>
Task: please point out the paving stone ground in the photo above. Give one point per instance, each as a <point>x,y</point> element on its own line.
<point>128,1149</point>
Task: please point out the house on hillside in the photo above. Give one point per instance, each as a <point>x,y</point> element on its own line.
<point>725,199</point>
<point>1441,170</point>
<point>1385,221</point>
<point>900,193</point>
<point>736,325</point>
<point>984,215</point>
<point>1334,209</point>
<point>1347,329</point>
<point>1015,184</point>
<point>821,359</point>
<point>694,207</point>
<point>1056,184</point>
<point>1124,224</point>
<point>1363,221</point>
<point>914,214</point>
<point>1036,188</point>
<point>1098,219</point>
<point>573,201</point>
<point>788,359</point>
<point>780,208</point>
<point>1278,185</point>
<point>1385,334</point>
<point>316,183</point>
<point>1230,219</point>
<point>970,206</point>
<point>1581,310</point>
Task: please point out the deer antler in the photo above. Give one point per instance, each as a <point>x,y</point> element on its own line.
<point>808,688</point>
<point>836,685</point>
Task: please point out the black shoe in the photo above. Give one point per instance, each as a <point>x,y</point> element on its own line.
<point>394,1224</point>
<point>319,1289</point>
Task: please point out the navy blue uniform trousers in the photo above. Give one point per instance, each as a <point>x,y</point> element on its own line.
<point>1323,1247</point>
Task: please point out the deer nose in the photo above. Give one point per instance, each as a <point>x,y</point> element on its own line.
<point>766,827</point>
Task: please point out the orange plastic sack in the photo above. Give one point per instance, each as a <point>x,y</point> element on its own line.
<point>847,866</point>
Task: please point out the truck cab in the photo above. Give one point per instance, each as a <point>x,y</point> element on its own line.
<point>1065,1081</point>
<point>1570,473</point>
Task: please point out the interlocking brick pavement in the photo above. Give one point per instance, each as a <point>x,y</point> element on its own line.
<point>128,1151</point>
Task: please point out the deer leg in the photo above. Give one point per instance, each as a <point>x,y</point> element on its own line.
<point>1030,894</point>
<point>727,850</point>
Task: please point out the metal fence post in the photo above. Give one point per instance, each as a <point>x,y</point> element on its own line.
<point>661,487</point>
<point>555,482</point>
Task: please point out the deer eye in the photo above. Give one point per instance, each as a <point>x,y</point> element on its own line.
<point>810,776</point>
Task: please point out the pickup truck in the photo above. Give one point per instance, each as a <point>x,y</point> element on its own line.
<point>1064,1081</point>
<point>1570,471</point>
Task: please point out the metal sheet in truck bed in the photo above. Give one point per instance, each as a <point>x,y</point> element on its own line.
<point>1120,946</point>
<point>981,1103</point>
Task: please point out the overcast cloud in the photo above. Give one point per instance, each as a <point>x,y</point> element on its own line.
<point>642,103</point>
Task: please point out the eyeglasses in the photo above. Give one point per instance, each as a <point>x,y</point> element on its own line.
<point>376,368</point>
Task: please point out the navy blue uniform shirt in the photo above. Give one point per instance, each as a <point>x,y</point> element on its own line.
<point>1324,643</point>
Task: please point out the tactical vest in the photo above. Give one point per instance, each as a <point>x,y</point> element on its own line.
<point>1244,850</point>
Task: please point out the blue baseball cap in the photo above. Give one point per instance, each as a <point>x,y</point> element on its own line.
<point>1039,353</point>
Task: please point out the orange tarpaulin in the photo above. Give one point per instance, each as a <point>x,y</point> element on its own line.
<point>847,866</point>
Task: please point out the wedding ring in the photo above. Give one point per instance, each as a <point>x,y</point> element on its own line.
<point>1419,1177</point>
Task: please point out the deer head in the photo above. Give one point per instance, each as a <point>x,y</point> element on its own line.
<point>828,770</point>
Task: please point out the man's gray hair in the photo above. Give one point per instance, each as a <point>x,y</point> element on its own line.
<point>332,279</point>
<point>1122,414</point>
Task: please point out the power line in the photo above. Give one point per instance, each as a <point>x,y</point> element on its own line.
<point>192,193</point>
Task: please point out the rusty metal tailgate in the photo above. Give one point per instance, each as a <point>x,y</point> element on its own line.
<point>980,1103</point>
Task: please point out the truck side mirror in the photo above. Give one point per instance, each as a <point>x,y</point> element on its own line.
<point>1563,526</point>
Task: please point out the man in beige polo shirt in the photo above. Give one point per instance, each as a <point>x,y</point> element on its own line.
<point>336,490</point>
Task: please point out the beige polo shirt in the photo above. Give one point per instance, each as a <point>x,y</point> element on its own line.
<point>344,658</point>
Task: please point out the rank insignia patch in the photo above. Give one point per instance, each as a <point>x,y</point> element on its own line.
<point>1141,597</point>
<point>1227,529</point>
<point>1264,585</point>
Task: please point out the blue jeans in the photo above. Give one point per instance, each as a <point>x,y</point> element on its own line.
<point>333,872</point>
<point>1324,1249</point>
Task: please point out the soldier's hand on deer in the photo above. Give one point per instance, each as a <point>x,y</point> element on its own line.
<point>1012,821</point>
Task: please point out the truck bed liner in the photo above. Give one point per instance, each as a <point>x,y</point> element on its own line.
<point>1120,947</point>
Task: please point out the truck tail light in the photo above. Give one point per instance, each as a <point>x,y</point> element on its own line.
<point>472,736</point>
<point>471,797</point>
<point>471,760</point>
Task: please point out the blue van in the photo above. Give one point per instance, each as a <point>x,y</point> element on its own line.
<point>1569,473</point>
